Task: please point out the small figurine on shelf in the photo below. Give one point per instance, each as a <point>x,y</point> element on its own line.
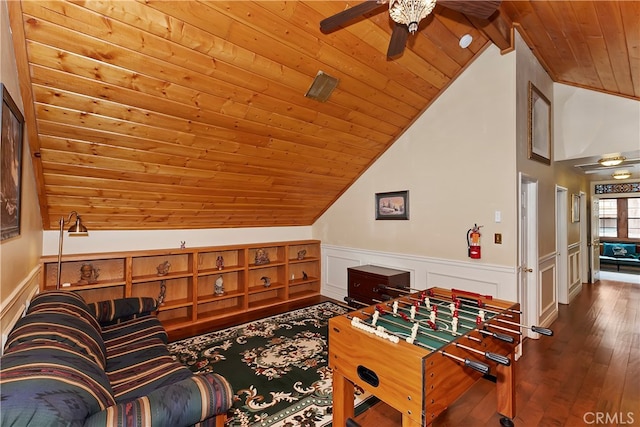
<point>163,269</point>
<point>304,276</point>
<point>220,262</point>
<point>266,281</point>
<point>262,257</point>
<point>183,244</point>
<point>301,254</point>
<point>163,290</point>
<point>88,274</point>
<point>219,288</point>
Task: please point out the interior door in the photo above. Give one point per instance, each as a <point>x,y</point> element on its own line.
<point>595,240</point>
<point>528,256</point>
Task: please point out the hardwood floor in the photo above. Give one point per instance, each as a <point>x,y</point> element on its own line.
<point>588,373</point>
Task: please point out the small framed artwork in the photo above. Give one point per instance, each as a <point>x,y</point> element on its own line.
<point>575,208</point>
<point>11,172</point>
<point>539,126</point>
<point>392,205</point>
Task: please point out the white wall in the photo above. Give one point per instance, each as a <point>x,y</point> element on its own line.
<point>458,163</point>
<point>590,123</point>
<point>134,240</point>
<point>19,266</point>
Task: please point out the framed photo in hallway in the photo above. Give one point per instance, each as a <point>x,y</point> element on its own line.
<point>392,205</point>
<point>575,208</point>
<point>539,126</point>
<point>11,172</point>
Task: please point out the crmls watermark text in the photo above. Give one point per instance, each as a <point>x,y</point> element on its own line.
<point>619,418</point>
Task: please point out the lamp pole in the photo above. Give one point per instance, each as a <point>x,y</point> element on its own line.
<point>77,229</point>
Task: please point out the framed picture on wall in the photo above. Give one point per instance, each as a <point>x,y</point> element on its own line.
<point>539,126</point>
<point>11,172</point>
<point>392,205</point>
<point>575,208</point>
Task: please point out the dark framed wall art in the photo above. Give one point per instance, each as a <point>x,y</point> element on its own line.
<point>392,205</point>
<point>539,126</point>
<point>11,172</point>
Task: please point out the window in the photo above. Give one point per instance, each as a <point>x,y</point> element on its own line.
<point>633,229</point>
<point>608,218</point>
<point>620,218</point>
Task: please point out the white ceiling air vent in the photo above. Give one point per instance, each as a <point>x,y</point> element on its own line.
<point>322,87</point>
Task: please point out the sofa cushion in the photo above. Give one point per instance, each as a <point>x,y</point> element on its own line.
<point>122,309</point>
<point>132,331</point>
<point>69,302</point>
<point>620,250</point>
<point>50,326</point>
<point>137,369</point>
<point>183,403</point>
<point>50,383</point>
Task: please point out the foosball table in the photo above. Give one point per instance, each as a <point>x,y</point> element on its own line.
<point>421,351</point>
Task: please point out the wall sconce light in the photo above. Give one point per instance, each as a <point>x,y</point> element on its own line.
<point>612,161</point>
<point>76,230</point>
<point>621,174</point>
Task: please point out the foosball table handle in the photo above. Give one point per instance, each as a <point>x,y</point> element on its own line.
<point>542,331</point>
<point>478,366</point>
<point>502,337</point>
<point>498,358</point>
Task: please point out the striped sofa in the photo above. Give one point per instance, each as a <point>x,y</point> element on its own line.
<point>68,363</point>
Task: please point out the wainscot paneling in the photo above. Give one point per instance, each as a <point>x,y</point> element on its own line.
<point>575,267</point>
<point>14,305</point>
<point>498,281</point>
<point>548,290</point>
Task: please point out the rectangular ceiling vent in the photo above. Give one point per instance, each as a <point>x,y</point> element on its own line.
<point>322,87</point>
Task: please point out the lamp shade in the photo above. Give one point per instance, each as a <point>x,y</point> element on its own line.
<point>77,228</point>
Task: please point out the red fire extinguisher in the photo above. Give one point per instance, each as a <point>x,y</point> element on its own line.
<point>473,241</point>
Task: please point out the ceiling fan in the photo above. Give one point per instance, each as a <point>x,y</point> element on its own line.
<point>406,15</point>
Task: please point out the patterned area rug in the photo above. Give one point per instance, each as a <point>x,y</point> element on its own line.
<point>277,367</point>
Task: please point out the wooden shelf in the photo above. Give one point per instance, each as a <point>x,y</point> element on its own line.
<point>190,278</point>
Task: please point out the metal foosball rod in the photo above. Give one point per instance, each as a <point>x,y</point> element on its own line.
<point>498,358</point>
<point>500,312</point>
<point>513,331</point>
<point>473,364</point>
<point>539,329</point>
<point>456,333</point>
<point>502,337</point>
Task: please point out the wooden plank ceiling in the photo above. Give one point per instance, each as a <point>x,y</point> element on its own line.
<point>192,114</point>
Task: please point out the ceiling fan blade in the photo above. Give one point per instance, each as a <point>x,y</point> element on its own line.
<point>398,41</point>
<point>346,16</point>
<point>477,8</point>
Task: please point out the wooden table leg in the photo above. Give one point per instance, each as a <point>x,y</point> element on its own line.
<point>343,392</point>
<point>506,390</point>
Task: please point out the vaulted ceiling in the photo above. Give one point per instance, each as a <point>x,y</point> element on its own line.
<point>191,114</point>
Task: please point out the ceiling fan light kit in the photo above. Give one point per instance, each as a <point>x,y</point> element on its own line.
<point>410,12</point>
<point>406,16</point>
<point>612,161</point>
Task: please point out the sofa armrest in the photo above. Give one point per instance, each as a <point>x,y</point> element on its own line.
<point>121,309</point>
<point>184,403</point>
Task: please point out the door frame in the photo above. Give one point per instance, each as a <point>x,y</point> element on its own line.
<point>528,288</point>
<point>562,244</point>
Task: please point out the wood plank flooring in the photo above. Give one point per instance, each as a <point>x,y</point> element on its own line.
<point>588,373</point>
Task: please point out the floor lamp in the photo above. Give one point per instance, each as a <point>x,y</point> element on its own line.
<point>76,229</point>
